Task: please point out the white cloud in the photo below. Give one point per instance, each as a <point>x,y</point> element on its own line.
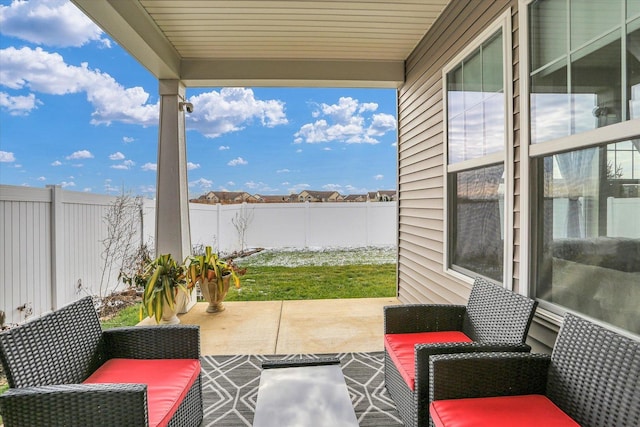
<point>149,167</point>
<point>116,156</point>
<point>149,190</point>
<point>378,177</point>
<point>41,71</point>
<point>82,154</point>
<point>19,105</point>
<point>297,188</point>
<point>42,178</point>
<point>231,109</point>
<point>283,171</point>
<point>126,165</point>
<point>381,124</point>
<point>367,106</point>
<point>202,183</point>
<point>49,22</point>
<point>332,187</point>
<point>108,188</point>
<point>238,161</point>
<point>224,147</point>
<point>56,163</point>
<point>7,157</point>
<point>65,184</point>
<point>127,139</point>
<point>87,189</point>
<point>346,122</point>
<point>191,166</point>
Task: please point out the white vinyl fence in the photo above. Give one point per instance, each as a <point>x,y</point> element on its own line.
<point>52,249</point>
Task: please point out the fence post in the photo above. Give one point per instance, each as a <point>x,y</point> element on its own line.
<point>307,223</point>
<point>57,247</point>
<point>367,221</point>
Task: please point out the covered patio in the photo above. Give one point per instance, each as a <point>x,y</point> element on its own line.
<point>290,327</point>
<point>474,108</point>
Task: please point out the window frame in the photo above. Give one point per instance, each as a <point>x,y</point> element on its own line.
<point>506,156</point>
<point>530,153</point>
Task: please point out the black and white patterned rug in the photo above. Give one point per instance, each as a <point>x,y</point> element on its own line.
<point>230,388</point>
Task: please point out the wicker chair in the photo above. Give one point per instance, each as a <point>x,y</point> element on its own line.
<point>591,379</point>
<point>46,361</point>
<point>494,319</point>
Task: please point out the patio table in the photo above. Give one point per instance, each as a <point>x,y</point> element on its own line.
<point>303,392</point>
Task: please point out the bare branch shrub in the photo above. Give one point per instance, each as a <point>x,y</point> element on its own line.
<point>123,219</point>
<point>241,222</point>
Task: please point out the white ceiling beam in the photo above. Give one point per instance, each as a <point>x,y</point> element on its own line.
<point>133,29</point>
<point>292,73</point>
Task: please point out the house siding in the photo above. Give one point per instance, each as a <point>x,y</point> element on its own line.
<point>421,276</point>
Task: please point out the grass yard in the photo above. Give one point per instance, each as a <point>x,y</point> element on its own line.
<point>308,274</point>
<point>128,316</point>
<point>315,282</point>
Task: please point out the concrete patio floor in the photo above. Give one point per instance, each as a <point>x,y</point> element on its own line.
<point>290,327</point>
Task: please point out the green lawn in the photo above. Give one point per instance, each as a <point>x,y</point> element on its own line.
<point>269,283</point>
<point>127,317</point>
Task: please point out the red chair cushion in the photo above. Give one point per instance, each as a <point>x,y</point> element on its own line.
<point>532,410</point>
<point>401,348</point>
<point>168,381</point>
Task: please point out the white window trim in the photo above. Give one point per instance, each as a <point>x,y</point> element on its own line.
<point>503,22</point>
<point>528,152</point>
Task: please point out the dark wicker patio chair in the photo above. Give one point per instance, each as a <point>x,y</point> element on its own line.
<point>47,359</point>
<point>592,376</point>
<point>494,319</point>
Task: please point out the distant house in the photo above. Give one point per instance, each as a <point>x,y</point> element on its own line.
<point>386,195</point>
<point>226,197</point>
<point>381,196</point>
<point>318,196</point>
<point>275,198</point>
<point>355,198</point>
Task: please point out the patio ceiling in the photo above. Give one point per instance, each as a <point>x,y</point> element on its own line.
<point>207,43</point>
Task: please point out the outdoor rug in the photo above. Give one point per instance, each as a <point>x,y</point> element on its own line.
<point>230,388</point>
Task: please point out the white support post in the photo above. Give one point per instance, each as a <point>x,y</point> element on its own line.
<point>173,234</point>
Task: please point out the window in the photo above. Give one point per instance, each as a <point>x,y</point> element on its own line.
<point>476,135</point>
<point>584,70</point>
<point>584,74</point>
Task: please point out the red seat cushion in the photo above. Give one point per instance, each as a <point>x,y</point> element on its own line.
<point>401,348</point>
<point>532,410</point>
<point>168,381</point>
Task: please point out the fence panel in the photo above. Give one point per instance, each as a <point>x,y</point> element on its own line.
<point>53,251</point>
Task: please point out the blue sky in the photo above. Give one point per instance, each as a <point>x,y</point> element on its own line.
<point>77,111</point>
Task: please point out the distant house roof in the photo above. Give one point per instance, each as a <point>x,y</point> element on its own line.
<point>318,195</point>
<point>355,198</point>
<point>273,198</point>
<point>225,197</point>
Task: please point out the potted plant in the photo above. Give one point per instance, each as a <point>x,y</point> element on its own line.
<point>213,274</point>
<point>165,287</point>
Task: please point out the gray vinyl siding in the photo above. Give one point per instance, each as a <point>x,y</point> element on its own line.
<point>421,276</point>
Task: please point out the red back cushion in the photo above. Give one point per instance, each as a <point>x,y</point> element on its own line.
<point>531,410</point>
<point>401,348</point>
<point>167,380</point>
